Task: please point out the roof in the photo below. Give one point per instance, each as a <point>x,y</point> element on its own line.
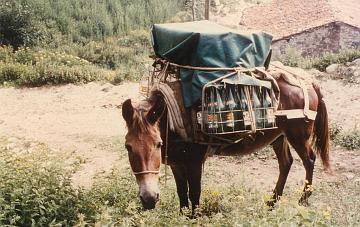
<point>282,18</point>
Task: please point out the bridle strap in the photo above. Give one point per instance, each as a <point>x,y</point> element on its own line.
<point>146,172</point>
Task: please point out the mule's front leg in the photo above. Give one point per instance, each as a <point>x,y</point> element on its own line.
<point>180,176</point>
<point>194,170</point>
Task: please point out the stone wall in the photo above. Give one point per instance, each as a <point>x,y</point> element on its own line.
<point>349,36</point>
<point>326,38</point>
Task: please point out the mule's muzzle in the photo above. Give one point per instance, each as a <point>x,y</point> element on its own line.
<point>149,200</point>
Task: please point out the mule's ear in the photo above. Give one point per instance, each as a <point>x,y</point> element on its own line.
<point>127,111</point>
<point>157,110</point>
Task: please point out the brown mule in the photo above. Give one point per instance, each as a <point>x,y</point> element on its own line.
<point>146,124</point>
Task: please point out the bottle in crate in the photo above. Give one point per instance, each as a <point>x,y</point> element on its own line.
<point>209,110</point>
<point>257,108</point>
<point>245,110</point>
<point>238,115</point>
<point>269,116</point>
<point>230,107</point>
<point>219,108</point>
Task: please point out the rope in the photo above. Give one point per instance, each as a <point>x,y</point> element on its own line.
<point>240,68</point>
<point>166,146</point>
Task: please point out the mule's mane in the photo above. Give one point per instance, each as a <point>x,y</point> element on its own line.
<point>140,124</point>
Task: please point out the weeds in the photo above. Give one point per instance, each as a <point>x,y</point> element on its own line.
<point>36,190</point>
<point>114,60</point>
<point>349,139</point>
<point>292,57</point>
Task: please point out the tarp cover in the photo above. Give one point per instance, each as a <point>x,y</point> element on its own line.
<point>207,44</point>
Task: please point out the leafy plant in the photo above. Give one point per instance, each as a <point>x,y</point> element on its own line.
<point>35,190</point>
<point>19,24</point>
<point>350,139</point>
<point>292,57</point>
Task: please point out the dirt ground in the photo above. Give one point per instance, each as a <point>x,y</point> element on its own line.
<point>82,123</point>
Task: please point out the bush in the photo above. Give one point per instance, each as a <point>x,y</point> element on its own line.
<point>37,75</point>
<point>31,22</point>
<point>6,54</point>
<point>129,50</point>
<point>55,75</point>
<point>342,57</point>
<point>34,190</point>
<point>13,73</point>
<point>350,140</point>
<point>335,130</point>
<point>19,24</point>
<point>292,57</point>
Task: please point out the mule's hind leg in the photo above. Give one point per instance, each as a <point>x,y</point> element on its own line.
<point>180,176</point>
<point>303,148</point>
<point>282,151</point>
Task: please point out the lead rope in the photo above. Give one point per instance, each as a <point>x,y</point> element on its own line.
<point>166,145</point>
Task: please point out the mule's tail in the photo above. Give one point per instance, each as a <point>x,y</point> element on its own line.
<point>321,131</point>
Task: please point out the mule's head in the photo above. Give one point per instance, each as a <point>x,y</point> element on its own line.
<point>143,143</point>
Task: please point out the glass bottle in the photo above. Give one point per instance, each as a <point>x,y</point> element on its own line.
<point>230,106</point>
<point>269,112</point>
<point>245,108</point>
<point>220,108</point>
<point>257,108</point>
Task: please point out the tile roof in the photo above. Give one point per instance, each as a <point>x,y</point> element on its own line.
<point>282,18</point>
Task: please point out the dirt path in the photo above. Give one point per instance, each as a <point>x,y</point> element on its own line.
<point>77,121</point>
<point>84,122</point>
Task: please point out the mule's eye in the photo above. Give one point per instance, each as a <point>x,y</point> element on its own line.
<point>128,147</point>
<point>159,144</point>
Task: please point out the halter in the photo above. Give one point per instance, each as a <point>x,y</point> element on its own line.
<point>146,172</point>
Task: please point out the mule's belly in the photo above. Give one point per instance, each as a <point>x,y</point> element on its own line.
<point>252,143</point>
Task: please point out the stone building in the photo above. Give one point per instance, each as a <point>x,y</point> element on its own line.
<point>310,26</point>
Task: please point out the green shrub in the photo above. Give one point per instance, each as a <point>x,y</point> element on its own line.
<point>132,49</point>
<point>327,59</point>
<point>37,75</point>
<point>335,130</point>
<point>19,24</point>
<point>13,73</point>
<point>32,22</point>
<point>35,191</point>
<point>24,56</point>
<point>55,75</point>
<point>211,202</point>
<point>350,139</point>
<point>291,57</point>
<point>6,54</point>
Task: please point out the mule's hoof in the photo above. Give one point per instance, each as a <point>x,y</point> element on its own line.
<point>304,202</point>
<point>271,204</point>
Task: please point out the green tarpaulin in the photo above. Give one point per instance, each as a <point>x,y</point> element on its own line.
<point>207,44</point>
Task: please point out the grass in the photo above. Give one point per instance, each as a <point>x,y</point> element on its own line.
<point>36,190</point>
